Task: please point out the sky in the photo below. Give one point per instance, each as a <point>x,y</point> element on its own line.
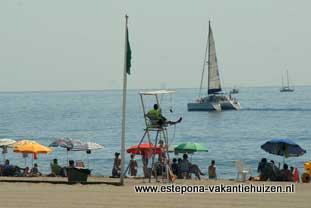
<point>79,44</point>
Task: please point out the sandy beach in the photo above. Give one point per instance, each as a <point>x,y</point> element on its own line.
<point>41,195</point>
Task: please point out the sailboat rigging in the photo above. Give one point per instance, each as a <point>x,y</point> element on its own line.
<point>215,100</point>
<point>286,88</point>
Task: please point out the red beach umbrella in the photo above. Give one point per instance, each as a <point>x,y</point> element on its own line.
<point>144,148</point>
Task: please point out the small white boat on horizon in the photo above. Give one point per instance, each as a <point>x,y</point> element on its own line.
<point>234,90</point>
<point>215,100</point>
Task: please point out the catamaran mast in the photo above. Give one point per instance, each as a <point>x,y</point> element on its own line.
<point>209,52</point>
<point>287,79</point>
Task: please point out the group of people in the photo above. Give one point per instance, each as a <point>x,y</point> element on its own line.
<point>181,168</point>
<point>269,171</point>
<point>8,169</point>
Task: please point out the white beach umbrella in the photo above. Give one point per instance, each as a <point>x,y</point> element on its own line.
<point>6,142</point>
<point>88,147</point>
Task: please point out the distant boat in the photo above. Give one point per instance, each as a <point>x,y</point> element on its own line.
<point>215,100</point>
<point>234,91</point>
<point>286,88</point>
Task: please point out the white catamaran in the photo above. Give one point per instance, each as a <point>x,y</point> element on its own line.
<point>286,88</point>
<point>216,100</point>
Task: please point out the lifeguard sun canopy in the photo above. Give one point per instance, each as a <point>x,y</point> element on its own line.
<point>157,92</point>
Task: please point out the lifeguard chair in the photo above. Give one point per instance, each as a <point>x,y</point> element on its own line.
<point>153,127</point>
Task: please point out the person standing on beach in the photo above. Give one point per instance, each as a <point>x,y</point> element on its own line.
<point>145,161</point>
<point>116,169</point>
<point>212,170</point>
<point>133,166</point>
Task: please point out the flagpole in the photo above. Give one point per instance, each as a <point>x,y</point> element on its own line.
<point>124,106</point>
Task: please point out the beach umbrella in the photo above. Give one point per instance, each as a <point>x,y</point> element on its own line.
<point>143,149</point>
<point>87,146</point>
<point>4,144</point>
<point>190,148</point>
<point>66,143</point>
<point>283,147</point>
<point>30,147</point>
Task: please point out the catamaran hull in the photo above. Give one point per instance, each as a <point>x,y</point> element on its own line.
<point>230,105</point>
<point>286,90</point>
<point>204,107</point>
<point>215,103</point>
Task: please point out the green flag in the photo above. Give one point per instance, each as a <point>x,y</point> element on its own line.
<point>128,54</point>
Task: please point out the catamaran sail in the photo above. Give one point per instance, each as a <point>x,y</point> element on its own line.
<point>216,100</point>
<point>214,84</point>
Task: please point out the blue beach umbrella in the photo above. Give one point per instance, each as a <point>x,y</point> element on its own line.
<point>283,147</point>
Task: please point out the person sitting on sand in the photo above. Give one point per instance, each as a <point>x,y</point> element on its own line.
<point>157,118</point>
<point>261,165</point>
<point>193,168</point>
<point>71,164</point>
<point>26,171</point>
<point>8,169</point>
<point>35,170</point>
<point>116,169</point>
<point>56,169</point>
<point>212,170</point>
<point>178,168</point>
<point>286,174</point>
<point>175,167</point>
<point>133,166</point>
<point>185,167</point>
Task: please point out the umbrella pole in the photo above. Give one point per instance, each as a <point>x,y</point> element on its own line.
<point>67,158</point>
<point>88,162</point>
<point>153,156</point>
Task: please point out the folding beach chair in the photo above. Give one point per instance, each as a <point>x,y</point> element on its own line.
<point>241,171</point>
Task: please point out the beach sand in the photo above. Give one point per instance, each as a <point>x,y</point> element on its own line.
<point>41,195</point>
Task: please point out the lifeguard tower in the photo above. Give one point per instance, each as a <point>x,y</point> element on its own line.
<point>154,131</point>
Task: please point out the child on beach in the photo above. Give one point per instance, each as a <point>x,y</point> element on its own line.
<point>35,170</point>
<point>116,169</point>
<point>133,166</point>
<point>212,170</point>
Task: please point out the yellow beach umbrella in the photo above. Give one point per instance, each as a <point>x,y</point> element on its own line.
<point>30,147</point>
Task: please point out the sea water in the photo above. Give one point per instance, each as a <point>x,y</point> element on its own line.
<point>95,116</point>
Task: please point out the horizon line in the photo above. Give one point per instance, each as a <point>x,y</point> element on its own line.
<point>115,89</point>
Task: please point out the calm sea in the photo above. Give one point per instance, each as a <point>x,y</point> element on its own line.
<point>95,116</point>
